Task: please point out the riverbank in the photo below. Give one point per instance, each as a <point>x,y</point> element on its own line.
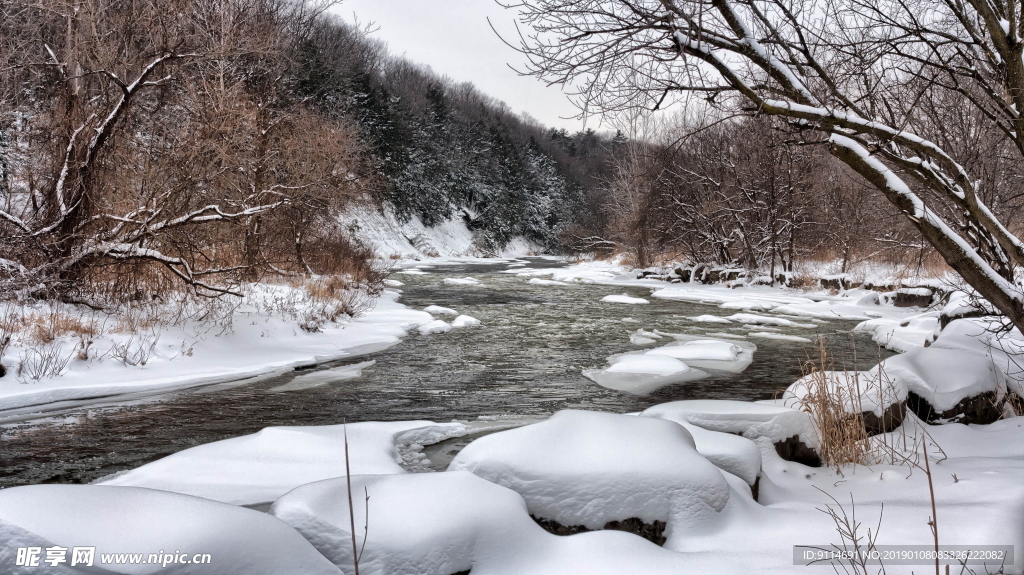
<point>707,479</point>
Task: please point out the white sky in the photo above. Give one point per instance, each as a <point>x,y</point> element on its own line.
<point>454,38</point>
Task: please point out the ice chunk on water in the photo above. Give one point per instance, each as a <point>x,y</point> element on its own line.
<point>700,349</point>
<point>641,374</point>
<point>462,281</point>
<point>465,321</point>
<point>623,298</point>
<point>436,326</point>
<point>325,376</point>
<point>540,282</point>
<point>438,310</point>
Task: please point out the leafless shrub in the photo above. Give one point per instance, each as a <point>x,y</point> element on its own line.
<point>136,350</point>
<point>42,361</point>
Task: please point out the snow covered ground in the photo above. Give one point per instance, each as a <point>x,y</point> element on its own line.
<point>690,466</point>
<point>256,340</point>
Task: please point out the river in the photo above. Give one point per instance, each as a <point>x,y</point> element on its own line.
<point>524,360</point>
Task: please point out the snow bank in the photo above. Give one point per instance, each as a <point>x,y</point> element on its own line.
<point>435,326</point>
<point>589,468</point>
<point>465,321</point>
<point>261,467</point>
<point>623,298</point>
<point>258,343</point>
<point>144,521</point>
<point>751,420</point>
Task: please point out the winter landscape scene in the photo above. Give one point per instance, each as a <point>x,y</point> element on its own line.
<point>566,287</point>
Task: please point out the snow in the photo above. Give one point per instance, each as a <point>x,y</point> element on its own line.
<point>750,318</point>
<point>540,282</point>
<point>623,298</point>
<point>860,391</point>
<point>436,326</point>
<point>261,467</point>
<point>429,523</point>
<point>438,310</point>
<point>642,374</point>
<point>700,349</point>
<point>750,420</point>
<point>462,281</point>
<point>709,319</point>
<point>258,343</point>
<point>943,377</point>
<point>901,334</point>
<point>325,376</point>
<point>729,452</point>
<point>133,520</point>
<point>589,468</point>
<point>465,321</point>
<point>779,336</point>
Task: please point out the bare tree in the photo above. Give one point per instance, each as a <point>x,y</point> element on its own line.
<point>855,75</point>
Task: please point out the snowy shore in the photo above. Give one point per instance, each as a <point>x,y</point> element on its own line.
<point>705,480</point>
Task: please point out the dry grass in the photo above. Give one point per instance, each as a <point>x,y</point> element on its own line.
<point>834,404</point>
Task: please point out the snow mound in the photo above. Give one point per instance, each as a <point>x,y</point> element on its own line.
<point>393,283</point>
<point>436,326</point>
<point>750,318</point>
<point>325,376</point>
<point>860,390</point>
<point>729,452</point>
<point>465,321</point>
<point>623,298</point>
<point>438,310</point>
<point>261,467</point>
<point>641,373</point>
<point>589,468</point>
<point>132,520</point>
<point>540,282</point>
<point>462,281</point>
<point>419,524</point>
<point>751,420</point>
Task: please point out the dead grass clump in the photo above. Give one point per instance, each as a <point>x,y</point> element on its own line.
<point>804,281</point>
<point>45,329</point>
<point>834,404</point>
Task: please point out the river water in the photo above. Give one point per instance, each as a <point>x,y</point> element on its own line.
<point>524,360</point>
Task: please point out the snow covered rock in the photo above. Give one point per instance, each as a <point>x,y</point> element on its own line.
<point>132,520</point>
<point>902,334</point>
<point>439,310</point>
<point>419,524</point>
<point>465,321</point>
<point>436,326</point>
<point>623,298</point>
<point>590,468</point>
<point>791,430</point>
<point>913,297</point>
<point>641,374</point>
<point>261,467</point>
<point>949,384</point>
<point>881,400</point>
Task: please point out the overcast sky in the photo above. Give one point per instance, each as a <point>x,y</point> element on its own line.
<point>454,38</point>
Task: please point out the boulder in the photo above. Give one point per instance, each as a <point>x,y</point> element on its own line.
<point>913,297</point>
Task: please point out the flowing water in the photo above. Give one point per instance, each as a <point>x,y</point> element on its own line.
<point>525,360</point>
